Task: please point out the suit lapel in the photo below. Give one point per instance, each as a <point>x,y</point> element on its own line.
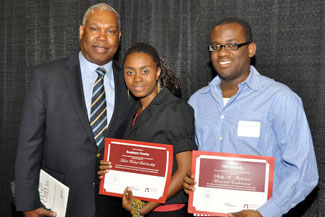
<point>74,83</point>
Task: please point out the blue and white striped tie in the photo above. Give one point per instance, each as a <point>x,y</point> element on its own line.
<point>98,119</point>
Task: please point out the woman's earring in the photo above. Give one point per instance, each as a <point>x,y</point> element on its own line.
<point>158,86</point>
<point>128,93</point>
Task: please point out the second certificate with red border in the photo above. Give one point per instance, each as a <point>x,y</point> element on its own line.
<point>144,167</point>
<point>229,182</point>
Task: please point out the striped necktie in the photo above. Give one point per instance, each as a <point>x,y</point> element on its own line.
<point>98,119</point>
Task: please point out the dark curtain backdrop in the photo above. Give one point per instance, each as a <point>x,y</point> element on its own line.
<point>290,38</point>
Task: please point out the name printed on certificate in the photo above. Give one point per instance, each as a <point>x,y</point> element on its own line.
<point>229,182</point>
<point>53,194</point>
<point>144,167</point>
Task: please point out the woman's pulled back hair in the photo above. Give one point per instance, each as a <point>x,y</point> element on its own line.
<point>168,77</point>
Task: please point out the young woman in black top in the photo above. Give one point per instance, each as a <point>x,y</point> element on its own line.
<point>158,117</point>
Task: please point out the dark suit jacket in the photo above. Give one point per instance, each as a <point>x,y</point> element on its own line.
<point>55,135</point>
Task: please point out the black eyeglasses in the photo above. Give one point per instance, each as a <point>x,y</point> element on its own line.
<point>229,46</point>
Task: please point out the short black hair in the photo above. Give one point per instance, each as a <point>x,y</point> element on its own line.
<point>246,27</point>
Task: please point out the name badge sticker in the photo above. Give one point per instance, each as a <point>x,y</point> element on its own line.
<point>249,128</point>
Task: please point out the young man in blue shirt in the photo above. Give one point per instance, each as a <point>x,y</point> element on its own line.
<point>243,112</point>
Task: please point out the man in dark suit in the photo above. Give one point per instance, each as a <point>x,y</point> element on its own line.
<point>55,133</point>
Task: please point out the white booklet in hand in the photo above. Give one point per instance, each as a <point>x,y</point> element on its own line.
<point>53,194</point>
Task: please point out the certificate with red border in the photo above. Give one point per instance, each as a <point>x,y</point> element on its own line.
<point>144,167</point>
<point>228,183</point>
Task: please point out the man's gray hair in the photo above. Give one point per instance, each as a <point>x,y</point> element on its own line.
<point>101,6</point>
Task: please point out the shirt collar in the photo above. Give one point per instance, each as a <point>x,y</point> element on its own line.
<point>252,81</point>
<point>159,99</point>
<point>88,67</point>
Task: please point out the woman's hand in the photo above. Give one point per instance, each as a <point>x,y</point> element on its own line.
<point>127,199</point>
<point>104,168</point>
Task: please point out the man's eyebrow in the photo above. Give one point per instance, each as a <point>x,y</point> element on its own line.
<point>229,40</point>
<point>232,40</point>
<point>109,26</point>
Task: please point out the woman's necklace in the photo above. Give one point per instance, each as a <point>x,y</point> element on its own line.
<point>140,110</point>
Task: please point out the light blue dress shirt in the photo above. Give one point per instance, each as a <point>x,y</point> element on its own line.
<point>265,118</point>
<point>89,76</point>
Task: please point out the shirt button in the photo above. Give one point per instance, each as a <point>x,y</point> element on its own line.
<point>222,117</point>
<point>94,183</point>
<point>220,138</point>
<point>292,204</point>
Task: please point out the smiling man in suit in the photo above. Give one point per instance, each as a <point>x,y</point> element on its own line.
<point>71,105</point>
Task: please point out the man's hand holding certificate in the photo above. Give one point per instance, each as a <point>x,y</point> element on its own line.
<point>227,183</point>
<point>144,167</point>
